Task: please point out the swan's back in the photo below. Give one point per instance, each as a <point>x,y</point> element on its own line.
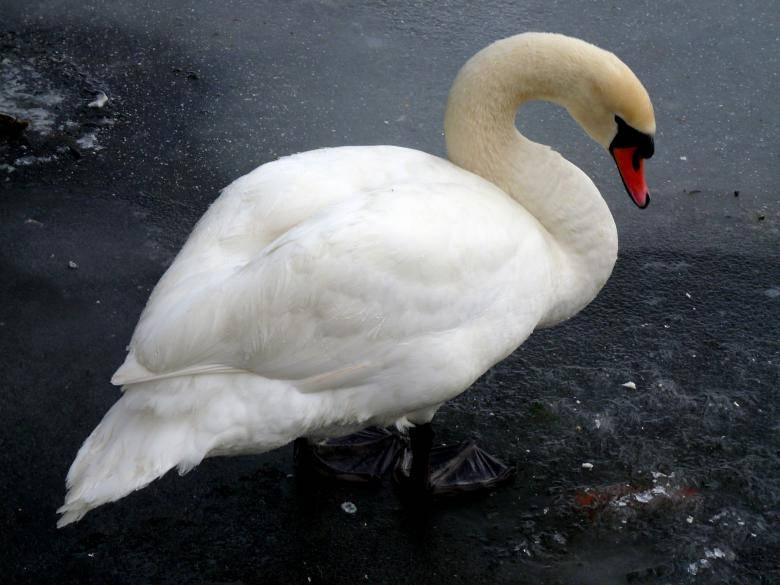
<point>264,204</point>
<point>282,240</point>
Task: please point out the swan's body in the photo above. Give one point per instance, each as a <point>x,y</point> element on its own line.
<point>346,287</point>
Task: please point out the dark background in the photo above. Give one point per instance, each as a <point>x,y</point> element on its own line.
<point>686,475</point>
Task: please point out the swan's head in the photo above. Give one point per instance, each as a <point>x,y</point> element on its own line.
<point>618,114</point>
<point>598,89</point>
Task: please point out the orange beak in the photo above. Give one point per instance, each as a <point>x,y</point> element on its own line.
<point>632,170</point>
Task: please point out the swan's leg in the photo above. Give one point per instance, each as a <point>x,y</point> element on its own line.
<point>421,441</point>
<point>363,456</point>
<point>447,470</point>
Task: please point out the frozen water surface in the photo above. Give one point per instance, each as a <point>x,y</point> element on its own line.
<point>666,384</point>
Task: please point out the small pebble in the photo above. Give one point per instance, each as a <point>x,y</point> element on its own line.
<point>72,265</point>
<point>349,507</point>
<point>587,466</point>
<point>630,385</point>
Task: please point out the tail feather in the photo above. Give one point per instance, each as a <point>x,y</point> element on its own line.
<point>129,449</point>
<point>162,424</point>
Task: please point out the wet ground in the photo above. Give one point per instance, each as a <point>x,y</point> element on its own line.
<point>94,202</point>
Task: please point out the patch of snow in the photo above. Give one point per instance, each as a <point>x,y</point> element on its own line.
<point>100,100</point>
<point>710,554</point>
<point>715,553</point>
<point>644,497</point>
<point>89,142</point>
<point>717,517</point>
<point>25,161</point>
<point>629,385</point>
<point>694,568</point>
<point>659,490</point>
<point>20,101</point>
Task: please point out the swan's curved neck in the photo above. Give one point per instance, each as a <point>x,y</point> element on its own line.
<point>482,137</point>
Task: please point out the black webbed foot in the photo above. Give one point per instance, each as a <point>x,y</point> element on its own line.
<point>363,456</point>
<point>453,469</point>
<point>419,470</point>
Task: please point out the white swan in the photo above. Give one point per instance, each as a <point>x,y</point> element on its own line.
<point>346,287</point>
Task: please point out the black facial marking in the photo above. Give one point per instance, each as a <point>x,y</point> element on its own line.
<point>627,137</point>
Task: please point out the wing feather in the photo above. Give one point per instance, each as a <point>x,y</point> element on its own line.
<point>330,300</point>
